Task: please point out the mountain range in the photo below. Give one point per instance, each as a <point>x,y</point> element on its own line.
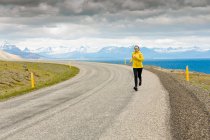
<point>12,49</point>
<point>113,52</point>
<point>110,52</point>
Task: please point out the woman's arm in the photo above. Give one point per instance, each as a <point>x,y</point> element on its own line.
<point>140,57</point>
<point>131,60</point>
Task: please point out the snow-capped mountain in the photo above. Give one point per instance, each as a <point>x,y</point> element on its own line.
<point>61,52</point>
<point>12,49</point>
<point>179,49</point>
<point>113,52</point>
<point>53,50</point>
<point>109,52</point>
<point>43,50</point>
<point>26,50</point>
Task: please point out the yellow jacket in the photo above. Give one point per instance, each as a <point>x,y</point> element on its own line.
<point>137,59</point>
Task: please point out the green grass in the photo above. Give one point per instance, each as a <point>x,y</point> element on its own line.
<point>15,76</point>
<point>198,79</point>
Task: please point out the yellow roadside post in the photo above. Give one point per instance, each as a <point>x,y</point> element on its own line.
<point>70,65</point>
<point>187,74</point>
<point>32,80</point>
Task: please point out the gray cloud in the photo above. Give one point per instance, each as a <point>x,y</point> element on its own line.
<point>90,7</point>
<point>28,2</point>
<point>103,18</point>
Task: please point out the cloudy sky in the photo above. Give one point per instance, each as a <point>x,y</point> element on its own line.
<point>99,23</point>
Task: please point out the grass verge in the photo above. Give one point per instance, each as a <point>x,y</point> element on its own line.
<point>15,76</point>
<point>197,79</point>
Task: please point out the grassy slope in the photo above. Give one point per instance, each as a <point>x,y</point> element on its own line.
<point>198,79</point>
<point>15,77</point>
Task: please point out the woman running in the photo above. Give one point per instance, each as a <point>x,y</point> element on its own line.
<point>137,59</point>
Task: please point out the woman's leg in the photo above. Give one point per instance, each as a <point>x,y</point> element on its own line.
<point>135,72</point>
<point>139,75</point>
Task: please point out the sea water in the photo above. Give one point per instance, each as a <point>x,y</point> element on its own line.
<point>198,65</point>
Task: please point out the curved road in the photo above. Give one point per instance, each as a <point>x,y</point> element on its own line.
<point>98,103</point>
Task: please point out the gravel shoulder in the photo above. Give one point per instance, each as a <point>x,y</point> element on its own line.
<point>189,106</point>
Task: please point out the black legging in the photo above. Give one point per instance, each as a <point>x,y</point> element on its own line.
<point>137,74</point>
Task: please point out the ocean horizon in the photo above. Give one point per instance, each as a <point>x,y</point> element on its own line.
<point>195,65</point>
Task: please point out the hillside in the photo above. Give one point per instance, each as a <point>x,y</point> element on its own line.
<point>15,76</point>
<point>8,56</point>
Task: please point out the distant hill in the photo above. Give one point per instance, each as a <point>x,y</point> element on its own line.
<point>8,56</point>
<point>12,49</point>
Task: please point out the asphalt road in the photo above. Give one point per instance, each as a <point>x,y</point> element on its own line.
<point>99,103</point>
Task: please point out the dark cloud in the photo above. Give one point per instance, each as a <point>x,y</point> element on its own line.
<point>90,7</point>
<point>103,18</point>
<point>28,2</point>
